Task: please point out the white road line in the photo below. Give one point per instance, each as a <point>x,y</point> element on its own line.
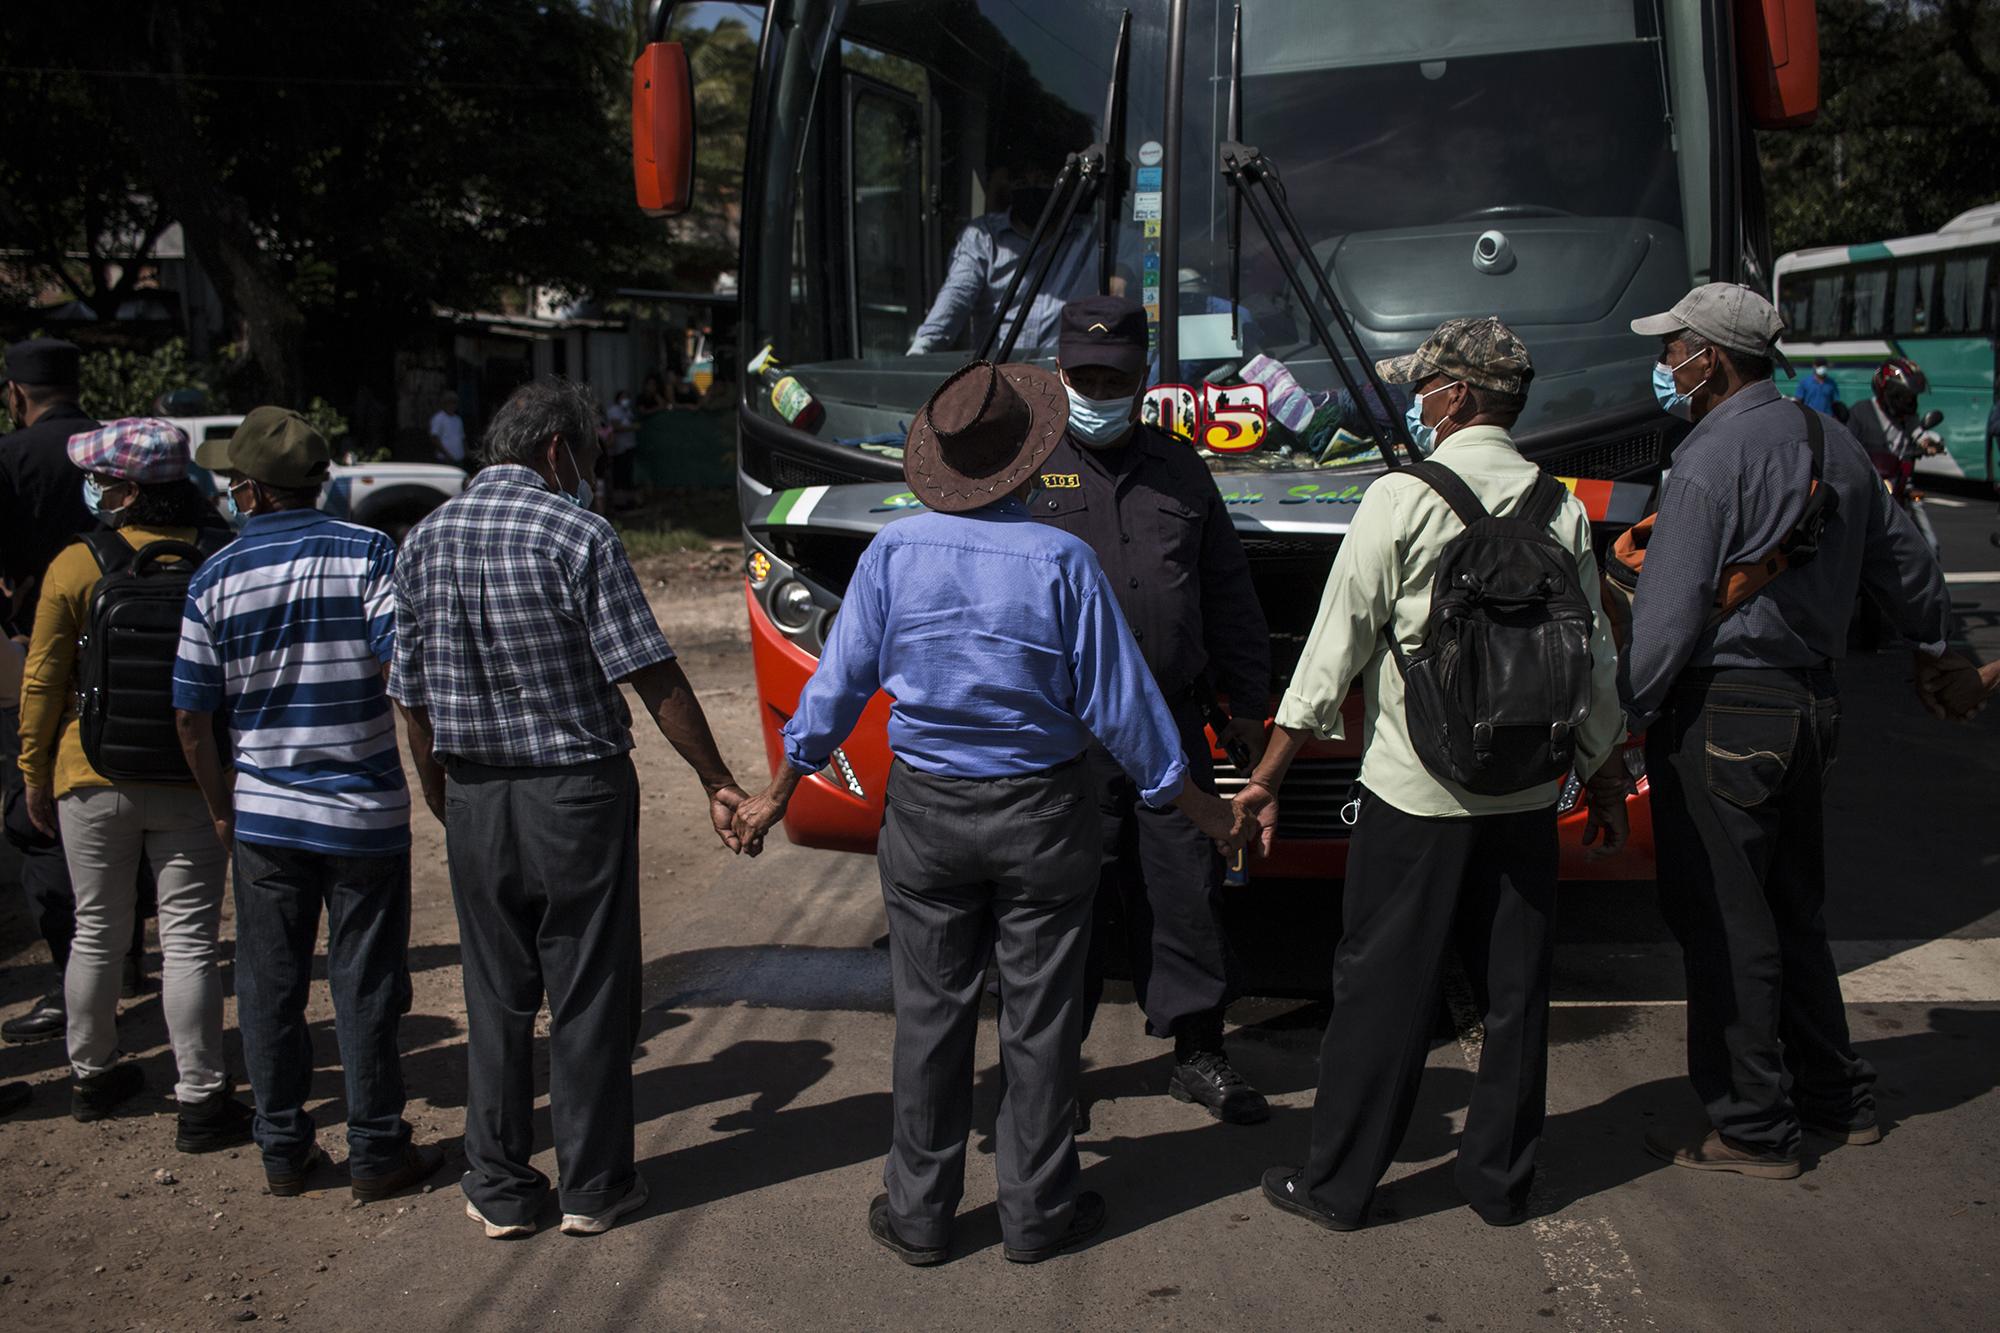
<point>1973,576</point>
<point>1946,502</point>
<point>1936,971</point>
<point>1595,1282</point>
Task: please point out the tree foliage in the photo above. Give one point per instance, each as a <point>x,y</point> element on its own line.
<point>339,169</point>
<point>1909,134</point>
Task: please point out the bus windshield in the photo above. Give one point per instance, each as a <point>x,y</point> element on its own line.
<point>909,144</point>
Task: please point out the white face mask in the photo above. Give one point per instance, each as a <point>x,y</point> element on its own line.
<point>1098,423</point>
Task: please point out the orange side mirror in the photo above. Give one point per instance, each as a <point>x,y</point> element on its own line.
<point>663,129</point>
<point>1777,46</point>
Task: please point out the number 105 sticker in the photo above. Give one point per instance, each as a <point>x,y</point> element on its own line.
<point>1222,418</point>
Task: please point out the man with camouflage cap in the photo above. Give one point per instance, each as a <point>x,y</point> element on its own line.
<point>1428,859</point>
<point>1740,710</point>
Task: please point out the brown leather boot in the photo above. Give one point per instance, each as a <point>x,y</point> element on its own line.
<point>1716,1153</point>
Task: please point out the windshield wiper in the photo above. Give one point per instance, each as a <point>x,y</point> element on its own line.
<point>1235,124</point>
<point>1250,173</point>
<point>1253,175</point>
<point>1083,174</point>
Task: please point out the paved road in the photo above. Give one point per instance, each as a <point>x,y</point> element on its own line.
<point>764,1114</point>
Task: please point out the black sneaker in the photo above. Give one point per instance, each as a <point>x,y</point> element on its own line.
<point>1281,1190</point>
<point>1207,1079</point>
<point>418,1165</point>
<point>95,1096</point>
<point>215,1122</point>
<point>1085,1220</point>
<point>883,1229</point>
<point>290,1182</point>
<point>45,1022</point>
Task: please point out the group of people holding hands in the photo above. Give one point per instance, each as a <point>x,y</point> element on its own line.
<point>1059,631</point>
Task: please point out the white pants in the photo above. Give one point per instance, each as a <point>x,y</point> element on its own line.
<point>104,831</point>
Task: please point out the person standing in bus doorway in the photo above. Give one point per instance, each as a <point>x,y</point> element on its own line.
<point>989,252</point>
<point>518,617</point>
<point>1430,861</point>
<point>1005,653</point>
<point>1817,390</point>
<point>1151,513</point>
<point>1740,711</point>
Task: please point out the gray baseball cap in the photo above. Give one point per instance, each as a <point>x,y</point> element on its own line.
<point>1726,314</point>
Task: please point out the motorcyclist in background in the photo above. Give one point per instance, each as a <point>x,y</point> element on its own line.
<point>1888,427</point>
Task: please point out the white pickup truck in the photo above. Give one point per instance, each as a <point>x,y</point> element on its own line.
<point>393,497</point>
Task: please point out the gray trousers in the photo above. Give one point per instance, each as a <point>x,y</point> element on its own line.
<point>1000,868</point>
<point>105,832</point>
<point>545,878</point>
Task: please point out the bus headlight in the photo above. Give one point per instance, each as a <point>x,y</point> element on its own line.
<point>792,606</point>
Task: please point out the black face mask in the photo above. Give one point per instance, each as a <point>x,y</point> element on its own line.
<point>1025,206</point>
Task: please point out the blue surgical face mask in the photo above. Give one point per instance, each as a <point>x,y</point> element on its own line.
<point>1671,399</point>
<point>93,500</point>
<point>1424,437</point>
<point>1098,422</point>
<point>584,492</point>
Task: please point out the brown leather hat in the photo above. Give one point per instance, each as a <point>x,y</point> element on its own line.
<point>982,434</point>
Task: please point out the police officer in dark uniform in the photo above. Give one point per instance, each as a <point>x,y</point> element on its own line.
<point>1150,510</point>
<point>41,512</point>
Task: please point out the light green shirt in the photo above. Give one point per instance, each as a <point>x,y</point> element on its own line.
<point>1382,578</point>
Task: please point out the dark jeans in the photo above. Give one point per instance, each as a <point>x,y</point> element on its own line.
<point>1414,886</point>
<point>279,893</point>
<point>972,869</point>
<point>1738,763</point>
<point>1160,878</point>
<point>545,877</point>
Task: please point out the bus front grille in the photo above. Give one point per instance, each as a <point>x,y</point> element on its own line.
<point>1309,803</point>
<point>1607,460</point>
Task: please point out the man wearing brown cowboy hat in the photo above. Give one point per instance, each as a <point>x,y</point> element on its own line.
<point>1005,653</point>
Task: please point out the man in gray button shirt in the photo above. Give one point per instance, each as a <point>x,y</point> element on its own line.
<point>1741,713</point>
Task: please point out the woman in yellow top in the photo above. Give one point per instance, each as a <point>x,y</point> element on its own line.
<point>135,481</point>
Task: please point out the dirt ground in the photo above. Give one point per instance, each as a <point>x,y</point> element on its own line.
<point>106,1226</point>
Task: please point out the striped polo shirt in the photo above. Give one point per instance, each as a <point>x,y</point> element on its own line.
<point>286,632</point>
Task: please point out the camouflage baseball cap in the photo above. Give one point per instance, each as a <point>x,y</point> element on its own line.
<point>1726,314</point>
<point>1481,352</point>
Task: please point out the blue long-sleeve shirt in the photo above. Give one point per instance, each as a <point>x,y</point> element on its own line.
<point>1003,650</point>
<point>982,263</point>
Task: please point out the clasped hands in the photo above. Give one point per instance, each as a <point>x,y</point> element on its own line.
<point>1952,688</point>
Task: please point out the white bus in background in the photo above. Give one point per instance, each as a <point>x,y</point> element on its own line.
<point>1934,299</point>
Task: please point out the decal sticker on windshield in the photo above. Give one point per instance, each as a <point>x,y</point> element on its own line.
<point>1233,417</point>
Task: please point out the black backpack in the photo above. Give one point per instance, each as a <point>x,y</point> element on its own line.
<point>1502,681</point>
<point>125,656</point>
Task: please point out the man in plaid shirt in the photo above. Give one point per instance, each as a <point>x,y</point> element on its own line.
<point>517,618</point>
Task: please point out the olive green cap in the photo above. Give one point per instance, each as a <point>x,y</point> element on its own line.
<point>274,445</point>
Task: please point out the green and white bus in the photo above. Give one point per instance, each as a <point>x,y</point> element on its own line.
<point>1933,298</point>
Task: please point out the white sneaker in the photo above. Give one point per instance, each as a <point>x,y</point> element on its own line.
<point>496,1230</point>
<point>589,1224</point>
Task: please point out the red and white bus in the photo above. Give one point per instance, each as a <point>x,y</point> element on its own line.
<point>1565,167</point>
